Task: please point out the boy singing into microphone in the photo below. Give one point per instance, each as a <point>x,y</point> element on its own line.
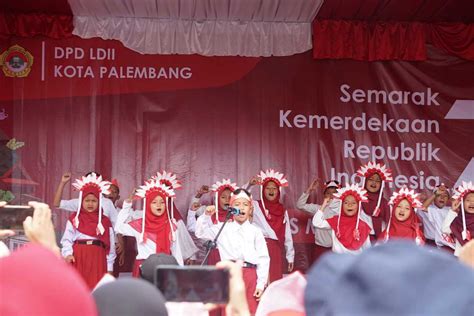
<point>240,240</point>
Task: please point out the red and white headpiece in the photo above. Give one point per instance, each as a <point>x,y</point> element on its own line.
<point>242,194</point>
<point>115,182</point>
<point>271,175</point>
<point>359,194</point>
<point>409,195</point>
<point>88,184</point>
<point>459,194</point>
<point>412,198</point>
<point>150,186</point>
<point>220,186</point>
<point>168,178</point>
<point>385,174</point>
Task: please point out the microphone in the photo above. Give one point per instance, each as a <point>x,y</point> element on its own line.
<point>232,210</point>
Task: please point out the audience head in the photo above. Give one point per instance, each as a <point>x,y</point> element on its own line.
<point>396,278</point>
<point>148,267</point>
<point>129,296</point>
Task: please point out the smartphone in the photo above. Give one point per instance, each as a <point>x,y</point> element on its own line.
<point>12,216</point>
<point>205,284</point>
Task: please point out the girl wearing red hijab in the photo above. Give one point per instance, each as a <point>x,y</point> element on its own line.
<point>156,231</point>
<point>459,223</point>
<point>271,216</point>
<point>403,221</point>
<point>374,177</point>
<point>88,240</point>
<point>350,229</point>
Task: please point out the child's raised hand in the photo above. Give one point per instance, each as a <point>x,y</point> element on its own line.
<point>195,206</point>
<point>254,180</point>
<point>70,259</point>
<point>210,210</point>
<point>66,177</point>
<point>455,205</point>
<point>202,190</point>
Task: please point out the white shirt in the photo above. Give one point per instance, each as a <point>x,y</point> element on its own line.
<point>108,207</point>
<point>71,234</point>
<point>182,248</point>
<point>322,237</point>
<point>446,229</point>
<point>320,222</point>
<point>433,220</point>
<point>238,242</point>
<point>268,232</point>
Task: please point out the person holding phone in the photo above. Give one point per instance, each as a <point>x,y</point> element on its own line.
<point>240,241</point>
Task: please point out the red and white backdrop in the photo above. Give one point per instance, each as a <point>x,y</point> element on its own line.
<point>93,104</point>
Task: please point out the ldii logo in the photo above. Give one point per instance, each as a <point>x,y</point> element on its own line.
<point>16,62</point>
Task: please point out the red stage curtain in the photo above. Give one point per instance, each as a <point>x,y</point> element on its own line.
<point>29,25</point>
<point>371,40</point>
<point>361,40</point>
<point>454,38</point>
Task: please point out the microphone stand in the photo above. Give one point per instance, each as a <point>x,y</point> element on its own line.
<point>212,244</point>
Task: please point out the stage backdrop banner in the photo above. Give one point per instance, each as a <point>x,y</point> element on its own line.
<point>79,105</point>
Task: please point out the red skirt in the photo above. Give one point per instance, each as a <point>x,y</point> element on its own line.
<point>214,257</point>
<point>275,252</point>
<point>90,262</point>
<point>136,268</point>
<point>250,280</point>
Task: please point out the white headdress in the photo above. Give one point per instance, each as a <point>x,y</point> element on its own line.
<point>271,175</point>
<point>459,194</point>
<point>150,186</point>
<point>91,182</point>
<point>413,199</point>
<point>169,179</point>
<point>218,187</point>
<point>360,195</point>
<point>385,174</point>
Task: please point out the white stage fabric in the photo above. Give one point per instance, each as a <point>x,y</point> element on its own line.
<point>207,27</point>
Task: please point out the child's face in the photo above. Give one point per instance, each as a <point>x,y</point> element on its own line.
<point>403,210</point>
<point>90,203</point>
<point>245,207</point>
<point>469,203</point>
<point>373,183</point>
<point>350,206</point>
<point>271,191</point>
<point>158,206</point>
<point>114,194</point>
<point>329,192</point>
<point>441,200</point>
<point>224,198</point>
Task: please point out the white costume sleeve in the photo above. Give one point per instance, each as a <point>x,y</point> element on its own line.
<point>319,221</point>
<point>111,255</point>
<point>263,264</point>
<point>290,250</point>
<point>110,210</point>
<point>122,227</point>
<point>69,205</point>
<point>307,207</point>
<point>205,229</point>
<point>67,240</point>
<point>184,243</point>
<point>191,219</point>
<point>445,228</point>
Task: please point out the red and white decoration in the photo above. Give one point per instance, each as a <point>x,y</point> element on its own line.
<point>360,195</point>
<point>385,174</point>
<point>218,187</point>
<point>267,176</point>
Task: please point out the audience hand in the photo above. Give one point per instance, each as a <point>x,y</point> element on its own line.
<point>5,233</point>
<point>39,228</point>
<point>237,299</point>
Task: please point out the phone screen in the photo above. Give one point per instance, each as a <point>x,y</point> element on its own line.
<point>193,284</point>
<point>12,216</point>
